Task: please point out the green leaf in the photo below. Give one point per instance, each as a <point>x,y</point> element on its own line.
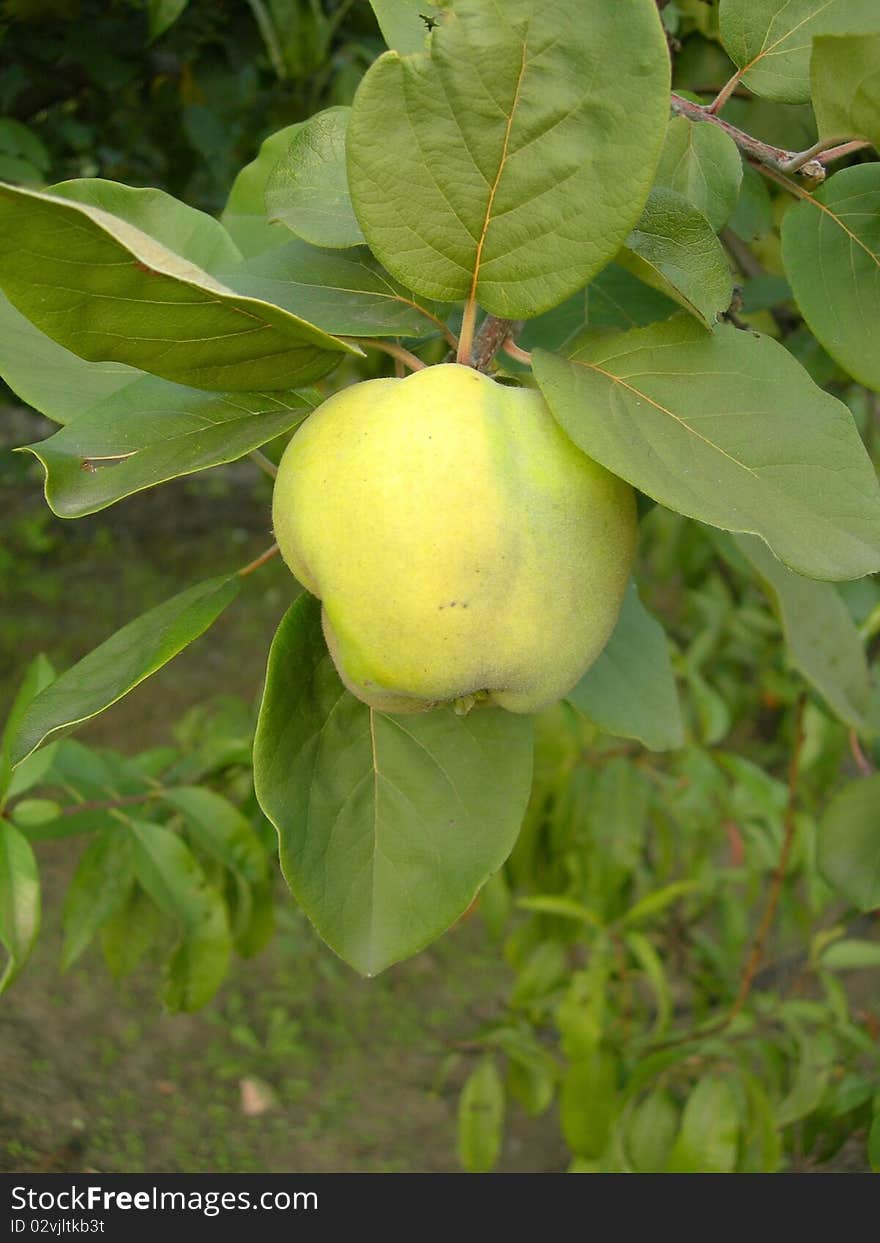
<point>308,188</point>
<point>19,901</point>
<point>532,1083</point>
<point>244,216</point>
<point>17,139</point>
<point>122,662</point>
<point>221,830</point>
<point>128,935</point>
<point>481,1119</point>
<point>753,217</point>
<point>115,293</point>
<point>813,1074</point>
<point>707,1139</point>
<point>852,955</point>
<point>673,248</point>
<point>651,1132</point>
<point>831,251</point>
<point>170,875</point>
<point>191,234</point>
<point>560,905</point>
<point>509,162</point>
<point>345,292</point>
<point>653,903</point>
<point>100,887</point>
<point>822,639</point>
<point>874,1143</point>
<point>702,163</point>
<point>47,376</point>
<point>403,24</point>
<point>630,690</point>
<point>588,1103</point>
<point>652,965</point>
<point>38,675</point>
<point>544,971</point>
<point>162,14</point>
<point>728,428</point>
<point>617,299</point>
<point>849,843</point>
<point>32,813</point>
<point>154,431</point>
<point>771,40</point>
<point>388,825</point>
<point>845,77</point>
<point>31,772</point>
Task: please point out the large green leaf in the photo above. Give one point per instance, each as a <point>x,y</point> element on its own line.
<point>673,248</point>
<point>510,161</point>
<point>630,690</point>
<point>38,675</point>
<point>849,843</point>
<point>154,431</point>
<point>308,188</point>
<point>171,876</point>
<point>481,1118</point>
<point>48,377</point>
<point>106,290</point>
<point>701,162</point>
<point>122,662</point>
<point>617,299</point>
<point>162,14</point>
<point>244,216</point>
<point>388,825</point>
<point>845,77</point>
<point>588,1103</point>
<point>822,640</point>
<point>191,234</point>
<point>831,250</point>
<point>771,40</point>
<point>403,23</point>
<point>100,887</point>
<point>710,1124</point>
<point>341,291</point>
<point>221,830</point>
<point>728,428</point>
<point>19,900</point>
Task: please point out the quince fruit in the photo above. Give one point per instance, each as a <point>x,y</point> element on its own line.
<point>464,549</point>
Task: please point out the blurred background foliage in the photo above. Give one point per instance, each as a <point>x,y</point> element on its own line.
<point>627,911</point>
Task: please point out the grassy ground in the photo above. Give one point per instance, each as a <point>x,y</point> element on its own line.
<point>355,1075</point>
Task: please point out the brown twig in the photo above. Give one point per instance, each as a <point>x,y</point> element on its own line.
<point>773,157</point>
<point>493,334</point>
<point>863,764</point>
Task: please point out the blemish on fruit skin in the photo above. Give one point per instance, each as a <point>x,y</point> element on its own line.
<point>461,604</point>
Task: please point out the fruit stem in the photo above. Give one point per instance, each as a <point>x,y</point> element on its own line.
<point>513,351</point>
<point>466,336</point>
<point>389,347</point>
<point>267,466</point>
<point>258,561</point>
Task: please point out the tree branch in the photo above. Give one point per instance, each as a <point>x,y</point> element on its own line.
<point>773,157</point>
<point>493,334</point>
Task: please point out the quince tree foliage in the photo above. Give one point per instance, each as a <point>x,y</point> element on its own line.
<point>597,293</point>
